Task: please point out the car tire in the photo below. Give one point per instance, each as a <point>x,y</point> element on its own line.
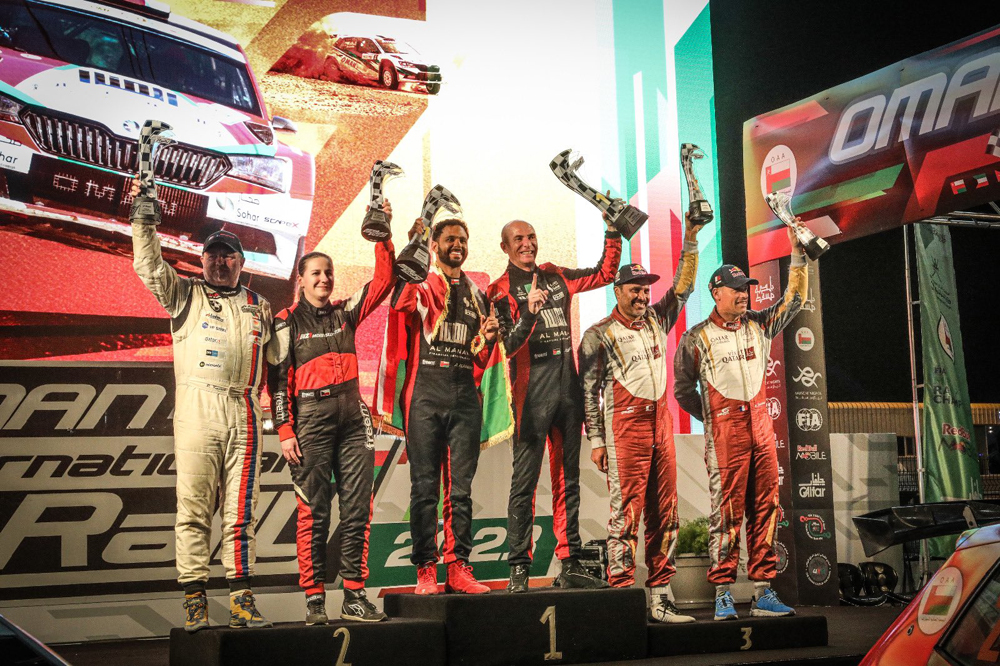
<point>433,88</point>
<point>388,78</point>
<point>331,70</point>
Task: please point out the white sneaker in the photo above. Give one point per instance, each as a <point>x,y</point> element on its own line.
<point>663,610</point>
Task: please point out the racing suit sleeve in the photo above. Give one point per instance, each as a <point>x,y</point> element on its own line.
<point>481,349</point>
<point>514,334</point>
<point>281,375</point>
<point>172,291</point>
<point>592,365</point>
<point>405,297</point>
<point>775,318</point>
<point>686,365</point>
<point>668,308</point>
<point>585,279</point>
<point>364,301</point>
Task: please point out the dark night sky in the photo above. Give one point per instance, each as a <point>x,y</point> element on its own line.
<point>769,54</point>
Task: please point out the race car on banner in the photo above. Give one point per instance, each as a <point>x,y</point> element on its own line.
<point>380,59</point>
<point>78,79</point>
<point>955,619</point>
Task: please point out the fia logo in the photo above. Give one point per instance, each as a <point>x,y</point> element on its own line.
<point>809,420</point>
<point>772,366</point>
<point>807,377</point>
<point>765,292</point>
<point>773,408</point>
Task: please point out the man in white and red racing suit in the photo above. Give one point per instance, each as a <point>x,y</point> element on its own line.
<point>623,364</point>
<point>727,354</point>
<point>219,330</point>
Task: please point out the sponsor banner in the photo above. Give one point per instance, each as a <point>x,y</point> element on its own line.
<point>816,550</point>
<point>772,279</point>
<point>949,447</point>
<point>898,145</point>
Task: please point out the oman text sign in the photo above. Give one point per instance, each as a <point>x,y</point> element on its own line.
<point>912,140</point>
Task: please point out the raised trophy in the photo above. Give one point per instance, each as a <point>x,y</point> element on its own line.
<point>699,210</point>
<point>376,225</point>
<point>145,207</point>
<point>627,219</point>
<point>781,205</point>
<point>414,261</point>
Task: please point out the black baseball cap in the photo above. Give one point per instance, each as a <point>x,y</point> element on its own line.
<point>227,238</point>
<point>634,274</point>
<point>728,275</point>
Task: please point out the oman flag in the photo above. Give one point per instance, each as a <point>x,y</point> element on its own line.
<point>778,176</point>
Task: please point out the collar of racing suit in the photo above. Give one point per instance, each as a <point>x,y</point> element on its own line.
<point>222,290</point>
<point>315,311</point>
<point>634,324</point>
<point>722,323</point>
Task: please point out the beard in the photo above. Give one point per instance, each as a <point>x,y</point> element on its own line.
<point>445,258</point>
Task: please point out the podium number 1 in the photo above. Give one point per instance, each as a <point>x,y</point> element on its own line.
<point>342,631</point>
<point>550,616</point>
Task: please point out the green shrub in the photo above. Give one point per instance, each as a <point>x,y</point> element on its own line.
<point>692,537</point>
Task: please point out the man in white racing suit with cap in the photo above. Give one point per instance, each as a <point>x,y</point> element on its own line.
<point>220,330</point>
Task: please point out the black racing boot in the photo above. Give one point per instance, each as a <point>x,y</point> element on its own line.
<point>518,578</point>
<point>316,609</point>
<point>357,607</point>
<point>573,575</point>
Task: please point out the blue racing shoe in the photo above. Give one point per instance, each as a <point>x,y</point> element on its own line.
<point>766,605</point>
<point>724,609</point>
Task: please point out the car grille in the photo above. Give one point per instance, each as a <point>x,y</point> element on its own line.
<point>176,164</point>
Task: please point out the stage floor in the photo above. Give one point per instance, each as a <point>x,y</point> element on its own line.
<point>852,632</point>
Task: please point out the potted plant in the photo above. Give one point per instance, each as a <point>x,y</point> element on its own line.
<point>689,584</point>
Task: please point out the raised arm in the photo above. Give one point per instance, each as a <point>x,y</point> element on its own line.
<point>775,318</point>
<point>585,279</point>
<point>364,301</point>
<point>686,373</point>
<point>171,290</point>
<point>668,308</point>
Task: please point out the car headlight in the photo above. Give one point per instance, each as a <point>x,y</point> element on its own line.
<point>404,63</point>
<point>9,109</point>
<point>267,171</point>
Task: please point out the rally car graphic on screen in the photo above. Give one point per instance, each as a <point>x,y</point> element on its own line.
<point>383,60</point>
<point>77,81</point>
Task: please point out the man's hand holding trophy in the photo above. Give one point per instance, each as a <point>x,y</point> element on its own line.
<point>624,218</point>
<point>781,205</point>
<point>415,259</point>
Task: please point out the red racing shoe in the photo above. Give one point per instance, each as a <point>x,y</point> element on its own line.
<point>461,580</point>
<point>427,579</point>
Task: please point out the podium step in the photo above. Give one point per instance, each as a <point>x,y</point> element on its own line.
<point>339,643</point>
<point>543,626</point>
<point>744,634</point>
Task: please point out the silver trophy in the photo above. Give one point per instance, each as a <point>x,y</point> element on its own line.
<point>414,261</point>
<point>376,225</point>
<point>699,210</point>
<point>781,205</point>
<point>145,207</point>
<point>625,218</point>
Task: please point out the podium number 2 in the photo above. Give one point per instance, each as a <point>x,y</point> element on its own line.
<point>550,616</point>
<point>343,646</point>
<point>747,643</point>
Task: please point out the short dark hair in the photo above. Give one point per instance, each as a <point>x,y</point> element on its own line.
<point>312,255</point>
<point>449,222</point>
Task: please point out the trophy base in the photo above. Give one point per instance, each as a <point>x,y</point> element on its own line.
<point>145,210</point>
<point>629,221</point>
<point>815,247</point>
<point>700,212</point>
<point>410,271</point>
<point>375,228</point>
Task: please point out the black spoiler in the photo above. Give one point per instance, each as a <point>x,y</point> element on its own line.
<point>881,529</point>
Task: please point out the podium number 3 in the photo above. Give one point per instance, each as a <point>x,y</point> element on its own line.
<point>747,643</point>
<point>550,616</point>
<point>343,646</point>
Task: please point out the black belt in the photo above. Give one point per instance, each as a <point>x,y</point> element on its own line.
<point>324,392</point>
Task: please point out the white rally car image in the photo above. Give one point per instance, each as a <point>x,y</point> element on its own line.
<point>383,60</point>
<point>77,80</point>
